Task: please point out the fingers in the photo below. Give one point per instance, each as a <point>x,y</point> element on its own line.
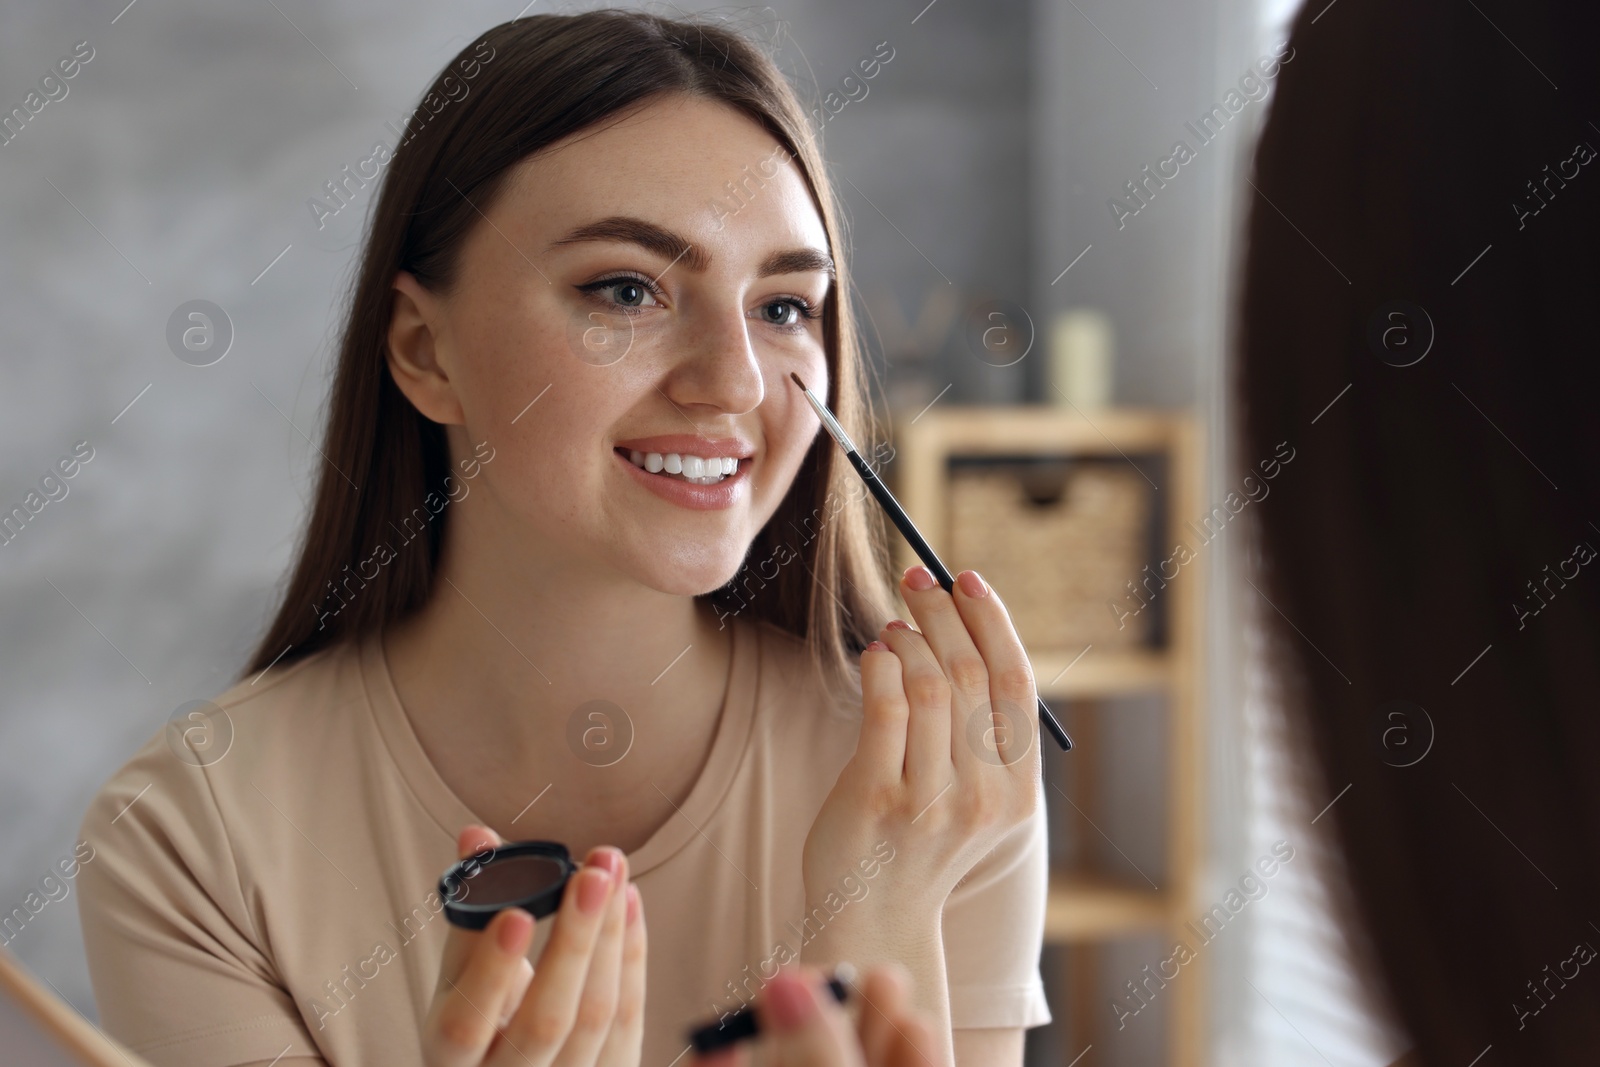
<point>802,1026</point>
<point>892,1032</point>
<point>883,991</point>
<point>805,1027</point>
<point>1013,694</point>
<point>461,1021</point>
<point>927,692</point>
<point>550,1007</point>
<point>474,838</point>
<point>596,1009</point>
<point>627,1026</point>
<point>884,716</point>
<point>945,629</point>
<point>519,986</point>
<point>913,1045</point>
<point>460,943</point>
<point>972,637</point>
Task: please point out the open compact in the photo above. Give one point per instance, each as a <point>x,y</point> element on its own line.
<point>523,874</point>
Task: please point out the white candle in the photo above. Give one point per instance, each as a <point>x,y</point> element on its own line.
<point>1080,358</point>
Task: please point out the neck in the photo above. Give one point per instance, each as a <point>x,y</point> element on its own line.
<point>511,646</point>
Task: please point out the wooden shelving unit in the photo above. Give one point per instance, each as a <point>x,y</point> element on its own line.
<point>37,1019</point>
<point>1085,909</point>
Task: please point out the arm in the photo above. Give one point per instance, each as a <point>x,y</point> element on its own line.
<point>988,1047</point>
<point>982,1048</point>
<point>869,938</point>
<point>946,772</point>
<point>985,957</point>
<point>177,968</point>
<point>993,935</point>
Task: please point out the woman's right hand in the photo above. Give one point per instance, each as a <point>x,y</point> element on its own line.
<point>801,1026</point>
<point>583,1007</point>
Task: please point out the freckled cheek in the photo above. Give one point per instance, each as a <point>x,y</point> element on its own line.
<point>546,420</point>
<point>537,479</point>
<point>786,453</point>
<point>508,363</point>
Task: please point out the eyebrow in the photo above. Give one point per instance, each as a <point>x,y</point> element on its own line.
<point>673,246</point>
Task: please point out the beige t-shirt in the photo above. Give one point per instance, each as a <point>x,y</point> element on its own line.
<point>281,899</point>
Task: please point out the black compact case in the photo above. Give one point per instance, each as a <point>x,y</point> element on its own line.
<point>531,875</point>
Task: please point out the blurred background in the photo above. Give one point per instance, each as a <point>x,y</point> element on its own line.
<point>1010,248</point>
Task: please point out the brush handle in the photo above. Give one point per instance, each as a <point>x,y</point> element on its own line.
<point>940,573</point>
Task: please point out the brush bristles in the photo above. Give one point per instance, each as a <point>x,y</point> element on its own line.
<point>797,380</point>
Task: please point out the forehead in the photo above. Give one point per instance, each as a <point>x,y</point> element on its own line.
<point>690,164</point>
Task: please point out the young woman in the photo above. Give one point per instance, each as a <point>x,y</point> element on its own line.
<point>518,613</point>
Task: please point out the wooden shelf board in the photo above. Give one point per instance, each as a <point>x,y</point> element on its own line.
<point>1034,428</point>
<point>1099,673</point>
<point>1086,908</point>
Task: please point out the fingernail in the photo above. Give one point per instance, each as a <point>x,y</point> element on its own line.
<point>919,578</point>
<point>897,624</point>
<point>971,584</point>
<point>467,841</point>
<point>789,1001</point>
<point>633,903</point>
<point>593,888</point>
<point>607,859</point>
<point>877,646</point>
<point>515,926</point>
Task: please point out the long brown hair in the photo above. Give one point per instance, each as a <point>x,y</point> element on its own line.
<point>1417,321</point>
<point>534,81</point>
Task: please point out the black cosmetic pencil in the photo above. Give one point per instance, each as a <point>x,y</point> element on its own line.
<point>909,529</point>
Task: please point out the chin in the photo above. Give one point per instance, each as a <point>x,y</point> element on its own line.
<point>692,577</point>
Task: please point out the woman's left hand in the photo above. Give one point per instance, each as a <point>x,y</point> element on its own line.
<point>947,765</point>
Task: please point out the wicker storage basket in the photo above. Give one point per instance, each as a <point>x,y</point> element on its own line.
<point>1059,564</point>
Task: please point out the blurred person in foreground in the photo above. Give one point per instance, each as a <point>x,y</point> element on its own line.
<point>1417,321</point>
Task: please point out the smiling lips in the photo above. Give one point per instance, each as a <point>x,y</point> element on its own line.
<point>692,458</point>
<point>716,494</point>
<point>693,471</point>
<point>699,470</point>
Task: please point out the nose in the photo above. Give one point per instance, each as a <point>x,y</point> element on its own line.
<point>716,368</point>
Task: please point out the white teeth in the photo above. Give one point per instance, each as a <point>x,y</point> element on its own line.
<point>697,469</point>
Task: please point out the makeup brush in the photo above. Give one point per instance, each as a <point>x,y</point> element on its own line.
<point>909,529</point>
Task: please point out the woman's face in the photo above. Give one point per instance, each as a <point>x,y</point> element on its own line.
<point>618,292</point>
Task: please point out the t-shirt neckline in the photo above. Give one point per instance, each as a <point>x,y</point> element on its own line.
<point>450,812</point>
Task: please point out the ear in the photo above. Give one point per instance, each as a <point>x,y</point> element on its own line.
<point>416,327</point>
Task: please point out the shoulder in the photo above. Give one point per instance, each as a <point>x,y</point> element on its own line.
<point>190,868</point>
<point>177,786</point>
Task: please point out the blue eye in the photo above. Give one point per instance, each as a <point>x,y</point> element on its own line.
<point>788,313</point>
<point>630,293</point>
<point>627,292</point>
